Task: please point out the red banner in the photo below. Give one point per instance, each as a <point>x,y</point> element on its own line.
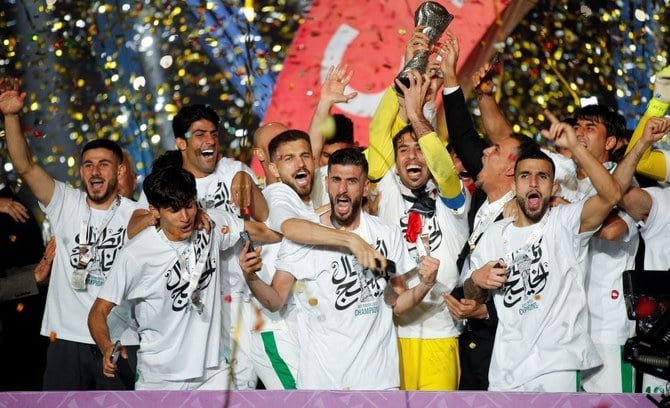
<point>370,36</point>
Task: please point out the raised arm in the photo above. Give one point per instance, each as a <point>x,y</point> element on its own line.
<point>463,137</point>
<point>653,131</point>
<point>310,233</point>
<point>409,298</point>
<point>11,102</point>
<point>438,160</point>
<point>597,207</point>
<point>332,92</point>
<point>246,194</point>
<point>494,121</point>
<point>653,163</point>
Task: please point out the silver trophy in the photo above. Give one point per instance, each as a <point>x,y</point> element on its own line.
<point>435,19</point>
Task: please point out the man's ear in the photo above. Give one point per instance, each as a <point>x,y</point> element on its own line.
<point>554,188</point>
<point>273,169</point>
<point>514,187</point>
<point>154,211</point>
<point>366,187</point>
<point>260,155</point>
<point>610,143</point>
<point>180,142</point>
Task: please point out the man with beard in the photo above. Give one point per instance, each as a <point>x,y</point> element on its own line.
<point>532,265</point>
<point>274,347</point>
<point>90,229</point>
<point>424,196</point>
<point>491,163</point>
<point>225,184</point>
<point>339,300</point>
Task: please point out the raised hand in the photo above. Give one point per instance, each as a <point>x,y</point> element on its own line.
<point>428,270</point>
<point>250,261</point>
<point>561,133</point>
<point>655,129</point>
<point>482,81</point>
<point>337,79</point>
<point>415,95</point>
<point>449,58</point>
<point>11,100</point>
<point>417,42</point>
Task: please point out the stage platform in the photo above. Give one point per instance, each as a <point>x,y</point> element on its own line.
<point>322,399</point>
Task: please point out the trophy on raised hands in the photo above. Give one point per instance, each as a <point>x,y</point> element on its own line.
<point>435,19</point>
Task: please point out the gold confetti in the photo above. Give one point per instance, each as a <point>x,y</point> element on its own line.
<point>19,307</point>
<point>52,336</point>
<point>313,301</point>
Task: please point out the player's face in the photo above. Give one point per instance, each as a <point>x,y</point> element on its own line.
<point>177,224</point>
<point>534,185</point>
<point>200,148</point>
<point>293,164</point>
<point>497,163</point>
<point>409,162</point>
<point>99,172</point>
<point>347,185</point>
<point>593,136</point>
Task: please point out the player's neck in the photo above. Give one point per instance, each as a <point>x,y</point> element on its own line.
<point>103,205</point>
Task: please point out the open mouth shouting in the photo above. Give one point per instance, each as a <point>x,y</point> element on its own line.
<point>96,185</point>
<point>533,201</point>
<point>414,172</point>
<point>303,179</point>
<point>208,153</point>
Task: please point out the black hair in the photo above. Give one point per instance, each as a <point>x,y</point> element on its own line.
<point>286,136</point>
<point>104,144</point>
<point>615,124</point>
<point>534,152</point>
<point>344,130</point>
<point>171,158</point>
<point>192,113</point>
<point>171,187</point>
<point>349,156</point>
<point>398,136</point>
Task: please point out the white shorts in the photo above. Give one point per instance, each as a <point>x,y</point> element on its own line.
<point>614,376</point>
<point>274,352</point>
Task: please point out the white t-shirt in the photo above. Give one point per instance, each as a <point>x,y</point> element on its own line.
<point>447,233</point>
<point>656,230</point>
<point>345,330</point>
<point>285,204</point>
<point>605,263</point>
<point>66,311</point>
<point>177,342</point>
<point>543,318</point>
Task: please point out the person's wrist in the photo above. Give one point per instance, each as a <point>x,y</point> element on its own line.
<point>427,283</point>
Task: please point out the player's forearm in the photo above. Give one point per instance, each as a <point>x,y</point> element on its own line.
<point>97,325</point>
<point>321,114</point>
<point>17,146</point>
<point>259,207</point>
<point>442,168</point>
<point>309,233</point>
<point>495,123</point>
<point>606,186</point>
<point>410,298</point>
<point>472,291</point>
<point>264,293</point>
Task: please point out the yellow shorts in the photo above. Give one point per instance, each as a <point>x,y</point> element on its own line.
<point>429,364</point>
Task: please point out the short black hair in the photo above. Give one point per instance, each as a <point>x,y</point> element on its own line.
<point>286,136</point>
<point>614,123</point>
<point>344,130</point>
<point>349,156</point>
<point>171,158</point>
<point>192,113</point>
<point>104,144</point>
<point>398,136</point>
<point>171,187</point>
<point>536,153</point>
